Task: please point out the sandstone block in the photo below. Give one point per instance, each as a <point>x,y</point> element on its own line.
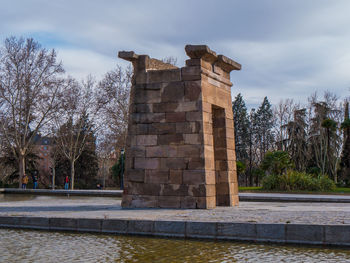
<point>137,129</point>
<point>165,107</point>
<point>193,138</point>
<point>156,176</point>
<point>135,175</point>
<point>146,140</point>
<point>147,189</point>
<point>164,75</point>
<point>140,201</point>
<point>147,96</point>
<point>193,177</point>
<point>196,163</point>
<point>162,128</point>
<point>175,116</point>
<point>191,73</point>
<point>173,163</point>
<point>188,106</point>
<point>210,177</point>
<point>137,151</point>
<point>147,163</point>
<point>144,108</point>
<point>173,92</point>
<point>188,150</point>
<point>175,177</point>
<point>193,90</point>
<point>194,116</point>
<point>147,117</point>
<point>175,190</point>
<point>169,202</point>
<point>188,127</point>
<point>161,151</point>
<point>170,139</point>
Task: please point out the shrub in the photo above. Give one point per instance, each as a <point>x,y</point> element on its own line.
<point>297,181</point>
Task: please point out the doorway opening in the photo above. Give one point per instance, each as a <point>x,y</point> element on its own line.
<point>220,157</point>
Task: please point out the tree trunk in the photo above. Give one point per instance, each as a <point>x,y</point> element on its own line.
<point>53,178</point>
<point>22,169</point>
<point>72,171</point>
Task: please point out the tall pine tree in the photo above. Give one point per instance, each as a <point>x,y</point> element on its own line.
<point>241,124</point>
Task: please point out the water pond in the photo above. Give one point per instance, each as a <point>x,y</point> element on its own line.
<point>42,246</point>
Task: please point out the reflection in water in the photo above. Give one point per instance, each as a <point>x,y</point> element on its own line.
<point>40,246</point>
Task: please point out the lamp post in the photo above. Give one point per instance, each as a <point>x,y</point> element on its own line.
<point>122,170</point>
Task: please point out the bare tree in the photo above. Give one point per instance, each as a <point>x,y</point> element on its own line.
<point>283,114</point>
<point>75,120</point>
<point>114,92</point>
<point>29,88</point>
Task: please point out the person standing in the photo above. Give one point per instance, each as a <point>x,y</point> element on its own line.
<point>24,181</point>
<point>35,181</point>
<point>66,182</point>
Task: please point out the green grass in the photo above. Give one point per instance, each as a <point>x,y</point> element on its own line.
<point>258,189</point>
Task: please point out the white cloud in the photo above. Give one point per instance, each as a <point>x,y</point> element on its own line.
<point>79,63</point>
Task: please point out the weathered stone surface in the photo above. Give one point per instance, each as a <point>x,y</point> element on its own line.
<point>180,145</point>
<point>191,73</point>
<point>170,139</point>
<point>157,176</point>
<point>146,140</point>
<point>162,128</point>
<point>193,177</point>
<point>164,75</point>
<point>193,90</point>
<point>169,202</point>
<point>148,117</point>
<point>161,151</point>
<point>175,116</point>
<point>175,177</point>
<point>194,116</point>
<point>175,190</point>
<point>146,163</point>
<point>173,163</point>
<point>173,92</point>
<point>135,175</point>
<point>188,127</point>
<point>165,107</point>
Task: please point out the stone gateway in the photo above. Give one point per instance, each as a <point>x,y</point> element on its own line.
<point>180,148</point>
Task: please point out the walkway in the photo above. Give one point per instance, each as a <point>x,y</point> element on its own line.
<point>316,223</point>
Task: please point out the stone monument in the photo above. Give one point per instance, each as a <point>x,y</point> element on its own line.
<point>180,147</point>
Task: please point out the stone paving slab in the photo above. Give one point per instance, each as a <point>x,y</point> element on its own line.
<point>307,223</point>
<point>251,197</point>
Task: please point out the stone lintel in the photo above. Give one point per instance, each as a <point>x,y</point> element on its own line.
<point>205,53</point>
<point>128,55</point>
<point>228,64</point>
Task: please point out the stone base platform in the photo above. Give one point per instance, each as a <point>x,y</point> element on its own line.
<point>300,223</point>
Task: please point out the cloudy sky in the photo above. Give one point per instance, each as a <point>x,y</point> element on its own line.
<point>288,49</point>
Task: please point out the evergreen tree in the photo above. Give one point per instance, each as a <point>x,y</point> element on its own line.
<point>345,155</point>
<point>241,125</point>
<point>264,134</point>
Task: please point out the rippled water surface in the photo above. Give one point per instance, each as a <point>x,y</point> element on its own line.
<point>41,246</point>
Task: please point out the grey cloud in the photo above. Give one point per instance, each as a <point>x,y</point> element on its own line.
<point>287,48</point>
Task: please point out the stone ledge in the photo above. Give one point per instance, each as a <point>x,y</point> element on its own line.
<point>328,235</point>
<point>96,193</point>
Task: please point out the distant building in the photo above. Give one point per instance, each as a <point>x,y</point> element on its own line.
<point>43,147</point>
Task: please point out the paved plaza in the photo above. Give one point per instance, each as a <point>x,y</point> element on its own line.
<point>110,208</point>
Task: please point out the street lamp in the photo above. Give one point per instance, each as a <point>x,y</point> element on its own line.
<point>122,170</point>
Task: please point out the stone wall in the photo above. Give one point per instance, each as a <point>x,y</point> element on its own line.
<point>180,147</point>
